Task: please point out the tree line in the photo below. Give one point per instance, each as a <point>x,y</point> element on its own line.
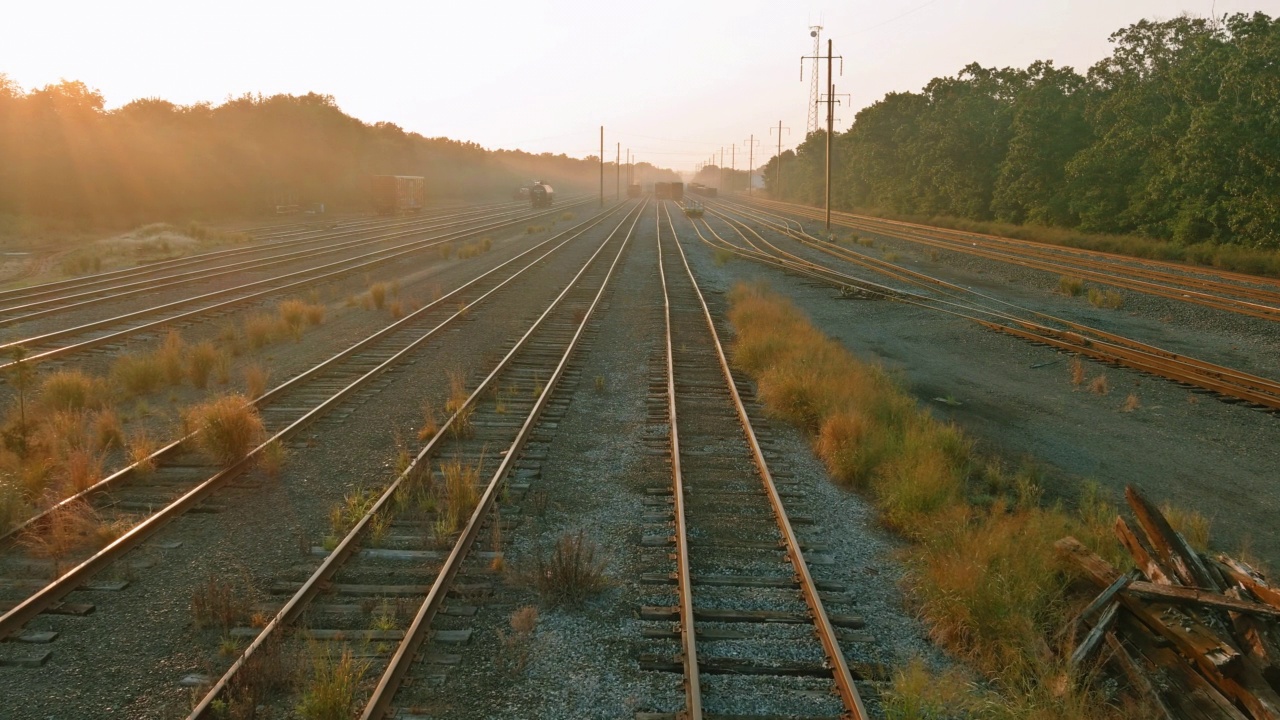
<point>1175,135</point>
<point>66,156</point>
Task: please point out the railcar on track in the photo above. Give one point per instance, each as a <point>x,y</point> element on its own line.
<point>541,194</point>
<point>399,194</point>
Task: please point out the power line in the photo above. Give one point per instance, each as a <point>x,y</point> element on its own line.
<point>895,18</point>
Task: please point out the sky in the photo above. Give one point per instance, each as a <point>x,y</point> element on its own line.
<point>673,81</point>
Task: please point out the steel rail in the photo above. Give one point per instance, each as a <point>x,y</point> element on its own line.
<point>13,620</point>
<point>1160,289</point>
<point>684,579</point>
<point>308,276</point>
<point>379,702</point>
<point>109,276</point>
<point>141,287</point>
<point>1105,346</point>
<point>822,622</point>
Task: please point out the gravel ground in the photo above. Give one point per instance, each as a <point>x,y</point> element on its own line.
<point>127,658</point>
<point>582,662</point>
<point>1017,400</point>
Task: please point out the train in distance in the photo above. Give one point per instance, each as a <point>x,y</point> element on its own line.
<point>668,190</point>
<point>633,190</point>
<point>703,190</point>
<point>541,194</point>
<point>399,194</point>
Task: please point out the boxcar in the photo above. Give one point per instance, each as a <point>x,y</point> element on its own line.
<point>677,191</point>
<point>396,194</point>
<point>662,190</point>
<point>633,190</point>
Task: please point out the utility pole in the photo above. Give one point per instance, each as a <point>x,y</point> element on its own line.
<point>831,117</point>
<point>751,160</point>
<point>602,166</point>
<point>777,166</point>
<point>617,173</point>
<point>733,162</point>
<point>722,168</point>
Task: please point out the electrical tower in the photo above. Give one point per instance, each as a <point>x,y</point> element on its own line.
<point>815,93</point>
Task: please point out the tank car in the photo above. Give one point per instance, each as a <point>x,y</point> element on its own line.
<point>541,194</point>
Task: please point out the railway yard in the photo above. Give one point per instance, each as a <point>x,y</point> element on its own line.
<point>508,467</point>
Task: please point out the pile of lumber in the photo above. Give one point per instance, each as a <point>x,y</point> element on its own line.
<point>1199,635</point>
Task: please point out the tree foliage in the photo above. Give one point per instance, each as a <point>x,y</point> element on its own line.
<point>64,155</point>
<point>1175,135</point>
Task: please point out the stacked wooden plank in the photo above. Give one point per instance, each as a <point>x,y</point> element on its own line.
<point>1200,636</point>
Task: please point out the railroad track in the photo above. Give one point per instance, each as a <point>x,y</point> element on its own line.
<point>503,412</point>
<point>111,330</point>
<point>15,301</point>
<point>182,480</point>
<point>1259,299</point>
<point>991,313</point>
<point>751,618</point>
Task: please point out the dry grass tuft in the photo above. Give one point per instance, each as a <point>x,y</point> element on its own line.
<point>71,528</point>
<point>396,308</point>
<point>226,428</point>
<point>331,692</point>
<point>1070,286</point>
<point>1131,403</point>
<point>1108,299</point>
<point>572,574</point>
<point>171,357</point>
<point>378,294</point>
<point>221,603</point>
<point>261,329</point>
<point>430,425</point>
<point>272,458</point>
<point>137,374</point>
<point>202,360</point>
<point>1077,371</point>
<point>140,449</point>
<point>72,390</point>
<point>457,496</point>
<point>255,380</point>
<point>1100,385</point>
<point>457,406</point>
<point>107,431</point>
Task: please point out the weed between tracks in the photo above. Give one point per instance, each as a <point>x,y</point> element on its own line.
<point>572,573</point>
<point>226,428</point>
<point>982,572</point>
<point>330,693</point>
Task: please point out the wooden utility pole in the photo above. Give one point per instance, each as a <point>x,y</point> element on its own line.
<point>831,123</point>
<point>617,173</point>
<point>601,166</point>
<point>751,161</point>
<point>722,169</point>
<point>777,167</point>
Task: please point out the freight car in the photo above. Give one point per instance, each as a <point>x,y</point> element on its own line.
<point>677,191</point>
<point>633,190</point>
<point>662,190</point>
<point>521,194</point>
<point>541,194</point>
<point>396,194</point>
<point>703,190</point>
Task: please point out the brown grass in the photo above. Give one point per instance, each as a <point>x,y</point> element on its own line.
<point>1131,403</point>
<point>457,405</point>
<point>226,428</point>
<point>261,329</point>
<point>572,573</point>
<point>69,529</point>
<point>202,360</point>
<point>1108,299</point>
<point>331,692</point>
<point>1070,286</point>
<point>137,374</point>
<point>396,308</point>
<point>255,380</point>
<point>272,459</point>
<point>1077,371</point>
<point>172,357</point>
<point>219,602</point>
<point>457,496</point>
<point>430,425</point>
<point>981,567</point>
<point>1100,385</point>
<point>81,468</point>
<point>107,431</point>
<point>139,451</point>
<point>72,390</point>
<point>378,294</point>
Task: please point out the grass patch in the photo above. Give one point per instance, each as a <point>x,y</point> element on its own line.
<point>72,390</point>
<point>137,374</point>
<point>572,573</point>
<point>723,256</point>
<point>255,380</point>
<point>203,359</point>
<point>330,693</point>
<point>457,496</point>
<point>1070,286</point>
<point>221,603</point>
<point>226,428</point>
<point>981,568</point>
<point>1106,299</point>
<point>378,294</point>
